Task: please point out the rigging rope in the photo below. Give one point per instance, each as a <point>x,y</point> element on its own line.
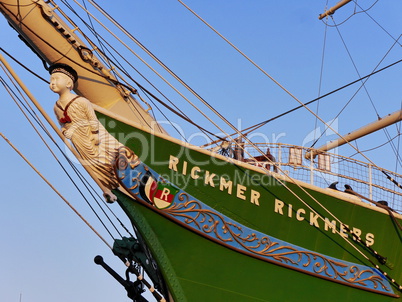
<point>121,28</point>
<point>321,75</point>
<point>260,124</point>
<point>364,86</point>
<point>366,12</point>
<point>85,182</point>
<point>354,13</point>
<point>127,74</point>
<point>55,190</point>
<point>284,89</point>
<point>210,107</point>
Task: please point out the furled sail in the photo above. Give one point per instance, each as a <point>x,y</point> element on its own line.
<point>54,41</point>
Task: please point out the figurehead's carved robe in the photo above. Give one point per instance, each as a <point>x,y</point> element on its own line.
<point>96,146</point>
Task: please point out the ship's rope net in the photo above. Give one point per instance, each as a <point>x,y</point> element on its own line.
<point>331,167</point>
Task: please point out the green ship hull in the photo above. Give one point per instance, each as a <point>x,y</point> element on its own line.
<point>197,268</point>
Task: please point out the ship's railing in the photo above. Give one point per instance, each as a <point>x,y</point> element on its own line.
<point>327,168</point>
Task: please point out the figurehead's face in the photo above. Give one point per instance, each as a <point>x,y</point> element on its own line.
<point>59,83</point>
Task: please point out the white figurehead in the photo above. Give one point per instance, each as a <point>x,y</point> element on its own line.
<point>78,121</point>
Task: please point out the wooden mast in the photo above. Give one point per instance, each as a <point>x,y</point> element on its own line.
<point>368,129</point>
<point>333,9</point>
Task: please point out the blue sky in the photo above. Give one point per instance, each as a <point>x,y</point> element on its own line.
<point>47,252</point>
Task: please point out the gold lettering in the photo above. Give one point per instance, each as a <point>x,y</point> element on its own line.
<point>278,206</point>
<point>357,232</point>
<point>330,225</point>
<point>226,185</point>
<point>369,239</point>
<point>254,197</point>
<point>314,219</point>
<point>173,161</point>
<point>240,192</point>
<point>343,231</point>
<point>194,172</point>
<point>209,178</point>
<point>184,171</point>
<point>290,211</point>
<point>298,214</point>
<point>165,194</point>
